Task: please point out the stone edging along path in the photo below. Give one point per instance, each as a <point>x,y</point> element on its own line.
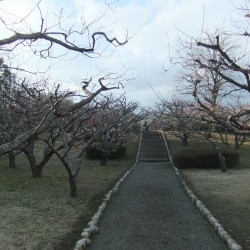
<point>231,243</point>
<point>92,225</point>
<point>81,244</point>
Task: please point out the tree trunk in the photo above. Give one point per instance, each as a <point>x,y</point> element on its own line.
<point>104,159</point>
<point>209,132</point>
<point>36,172</point>
<point>73,187</point>
<point>236,142</point>
<point>12,160</point>
<point>184,140</point>
<point>29,152</point>
<point>221,159</point>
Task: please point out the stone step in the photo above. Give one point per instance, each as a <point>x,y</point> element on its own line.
<point>154,159</point>
<point>154,152</point>
<point>153,148</point>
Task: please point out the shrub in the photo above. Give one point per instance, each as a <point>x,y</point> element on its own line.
<point>94,152</point>
<point>204,158</point>
<point>118,154</point>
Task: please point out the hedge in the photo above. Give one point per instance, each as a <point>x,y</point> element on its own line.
<point>93,152</point>
<point>204,158</point>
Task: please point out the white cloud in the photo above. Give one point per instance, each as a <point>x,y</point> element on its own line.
<point>150,23</point>
<point>149,48</point>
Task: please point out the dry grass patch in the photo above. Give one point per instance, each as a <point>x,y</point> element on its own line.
<point>226,195</point>
<point>39,214</point>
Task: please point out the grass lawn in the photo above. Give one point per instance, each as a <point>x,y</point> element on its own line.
<point>226,195</point>
<point>39,214</point>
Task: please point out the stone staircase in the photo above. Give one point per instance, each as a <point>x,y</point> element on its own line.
<point>153,148</point>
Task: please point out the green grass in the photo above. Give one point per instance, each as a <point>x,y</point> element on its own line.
<point>38,213</point>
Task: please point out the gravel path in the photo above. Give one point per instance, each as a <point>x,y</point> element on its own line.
<point>152,211</point>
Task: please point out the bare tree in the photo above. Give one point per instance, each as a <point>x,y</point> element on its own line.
<point>207,87</point>
<point>218,73</point>
<point>115,122</point>
<point>9,120</point>
<point>23,106</point>
<point>232,66</point>
<point>44,43</point>
<point>44,38</point>
<point>178,118</point>
<point>71,132</point>
<point>51,134</point>
<point>204,84</point>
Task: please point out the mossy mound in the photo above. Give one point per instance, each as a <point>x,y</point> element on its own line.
<point>94,152</point>
<point>204,158</point>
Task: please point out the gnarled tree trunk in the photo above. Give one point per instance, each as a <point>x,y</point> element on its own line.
<point>12,160</point>
<point>29,152</point>
<point>73,187</point>
<point>104,158</point>
<point>221,159</point>
<point>184,140</point>
<point>36,168</point>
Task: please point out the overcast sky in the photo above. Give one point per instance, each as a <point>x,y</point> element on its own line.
<point>152,26</point>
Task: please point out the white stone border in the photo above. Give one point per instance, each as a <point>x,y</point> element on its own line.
<point>92,225</point>
<point>231,243</point>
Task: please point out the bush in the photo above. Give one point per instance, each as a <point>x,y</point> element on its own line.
<point>94,152</point>
<point>204,158</point>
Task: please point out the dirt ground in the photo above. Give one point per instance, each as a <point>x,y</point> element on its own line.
<point>227,196</point>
